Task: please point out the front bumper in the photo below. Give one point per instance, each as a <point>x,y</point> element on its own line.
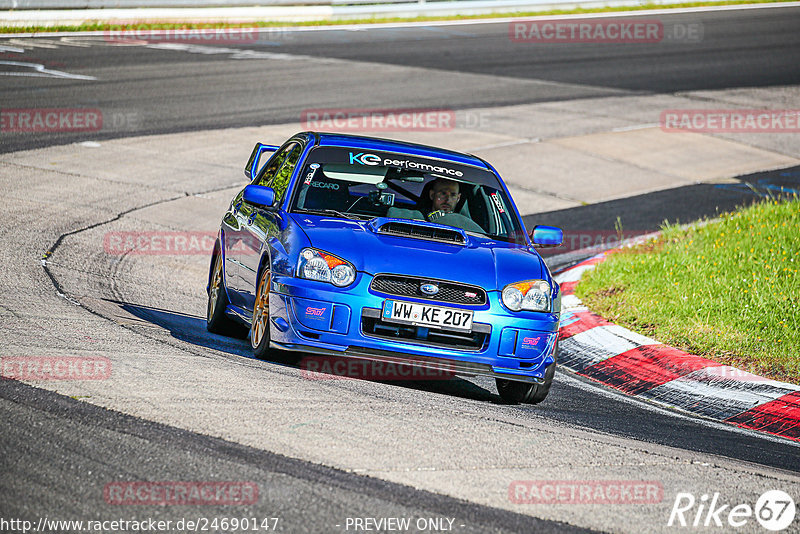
<point>319,318</point>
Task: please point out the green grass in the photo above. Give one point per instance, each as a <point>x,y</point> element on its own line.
<point>728,290</point>
<point>102,26</point>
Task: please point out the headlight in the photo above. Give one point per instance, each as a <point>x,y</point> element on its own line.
<point>533,295</point>
<point>324,267</point>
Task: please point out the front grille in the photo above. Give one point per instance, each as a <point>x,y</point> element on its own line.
<point>422,232</point>
<point>375,327</point>
<point>408,286</point>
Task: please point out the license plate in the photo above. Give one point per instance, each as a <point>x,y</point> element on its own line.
<point>426,315</point>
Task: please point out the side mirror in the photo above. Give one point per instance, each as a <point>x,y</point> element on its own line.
<point>251,169</point>
<point>546,236</point>
<point>258,195</point>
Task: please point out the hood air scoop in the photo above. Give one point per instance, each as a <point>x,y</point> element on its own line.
<point>419,230</point>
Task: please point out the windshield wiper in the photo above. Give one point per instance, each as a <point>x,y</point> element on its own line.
<point>351,216</point>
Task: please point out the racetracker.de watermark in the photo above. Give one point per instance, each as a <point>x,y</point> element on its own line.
<point>172,243</point>
<point>34,120</point>
<point>379,120</point>
<point>601,30</point>
<point>55,367</point>
<point>585,492</point>
<point>187,36</point>
<point>55,120</point>
<point>141,524</point>
<point>336,368</point>
<point>731,120</point>
<point>181,493</point>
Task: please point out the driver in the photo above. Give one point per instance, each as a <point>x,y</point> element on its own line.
<point>444,196</point>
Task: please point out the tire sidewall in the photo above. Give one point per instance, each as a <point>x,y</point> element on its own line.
<point>218,322</point>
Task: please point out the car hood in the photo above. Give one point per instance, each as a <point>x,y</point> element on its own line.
<point>482,261</point>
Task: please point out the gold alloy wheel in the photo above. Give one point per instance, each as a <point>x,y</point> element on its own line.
<point>216,287</point>
<point>260,311</point>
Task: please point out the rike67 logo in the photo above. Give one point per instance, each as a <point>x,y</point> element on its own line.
<point>774,510</point>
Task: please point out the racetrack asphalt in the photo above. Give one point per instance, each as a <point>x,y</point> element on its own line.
<point>303,496</point>
<point>452,438</point>
<point>222,84</point>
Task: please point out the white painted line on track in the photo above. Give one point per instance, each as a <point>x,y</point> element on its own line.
<point>64,42</point>
<point>33,44</point>
<point>635,127</point>
<point>39,71</point>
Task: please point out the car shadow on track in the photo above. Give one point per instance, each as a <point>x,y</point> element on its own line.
<point>187,328</point>
<point>192,329</point>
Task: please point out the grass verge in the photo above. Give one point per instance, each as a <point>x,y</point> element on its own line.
<point>103,26</point>
<point>728,290</point>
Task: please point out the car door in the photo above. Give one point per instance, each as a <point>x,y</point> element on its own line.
<point>260,225</point>
<point>231,235</point>
<point>237,245</point>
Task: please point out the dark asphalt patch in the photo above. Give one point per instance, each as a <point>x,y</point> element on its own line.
<point>646,213</point>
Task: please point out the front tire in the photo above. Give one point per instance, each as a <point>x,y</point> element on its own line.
<point>515,392</point>
<point>259,328</point>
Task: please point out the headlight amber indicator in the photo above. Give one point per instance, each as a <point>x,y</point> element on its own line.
<point>532,295</point>
<point>323,267</point>
<point>332,261</point>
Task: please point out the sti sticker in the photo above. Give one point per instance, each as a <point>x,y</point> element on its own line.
<point>529,342</point>
<point>314,312</point>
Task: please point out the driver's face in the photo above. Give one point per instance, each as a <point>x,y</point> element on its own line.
<point>444,197</point>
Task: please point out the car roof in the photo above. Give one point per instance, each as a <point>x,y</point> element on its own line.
<point>388,145</point>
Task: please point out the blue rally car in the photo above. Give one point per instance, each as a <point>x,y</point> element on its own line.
<point>395,252</point>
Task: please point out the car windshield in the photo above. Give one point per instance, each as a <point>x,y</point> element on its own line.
<point>358,184</point>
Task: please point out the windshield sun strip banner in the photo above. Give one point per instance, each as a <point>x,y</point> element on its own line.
<point>428,165</point>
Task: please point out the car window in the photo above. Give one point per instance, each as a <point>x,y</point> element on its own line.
<point>280,182</point>
<point>345,183</point>
<point>272,166</point>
